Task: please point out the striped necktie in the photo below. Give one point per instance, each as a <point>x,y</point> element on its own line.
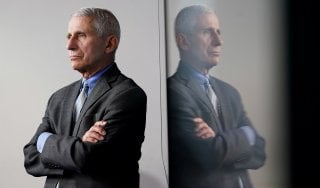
<point>81,99</point>
<point>211,94</point>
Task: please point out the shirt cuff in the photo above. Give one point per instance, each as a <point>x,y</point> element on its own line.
<point>42,140</point>
<point>250,134</point>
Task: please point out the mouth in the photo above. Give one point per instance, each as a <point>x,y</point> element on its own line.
<point>74,57</point>
<point>214,53</point>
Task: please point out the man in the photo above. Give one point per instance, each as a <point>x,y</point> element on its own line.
<point>212,143</point>
<point>99,144</point>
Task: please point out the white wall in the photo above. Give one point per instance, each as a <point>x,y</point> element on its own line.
<point>34,64</point>
<point>253,61</point>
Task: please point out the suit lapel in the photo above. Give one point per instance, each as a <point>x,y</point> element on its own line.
<point>68,107</point>
<point>185,76</point>
<point>223,103</point>
<point>198,93</point>
<point>102,86</point>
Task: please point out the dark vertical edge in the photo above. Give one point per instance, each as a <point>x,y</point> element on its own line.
<point>303,60</point>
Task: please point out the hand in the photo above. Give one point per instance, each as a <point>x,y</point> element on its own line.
<point>95,133</point>
<point>202,129</point>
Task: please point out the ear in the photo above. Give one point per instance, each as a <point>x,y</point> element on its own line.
<point>182,41</point>
<point>111,44</point>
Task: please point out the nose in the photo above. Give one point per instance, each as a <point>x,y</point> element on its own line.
<point>217,39</point>
<point>71,43</point>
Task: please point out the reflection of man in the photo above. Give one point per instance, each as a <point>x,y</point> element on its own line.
<point>212,143</point>
<point>92,130</point>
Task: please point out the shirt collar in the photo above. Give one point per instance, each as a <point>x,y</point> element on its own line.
<point>93,79</point>
<point>201,78</point>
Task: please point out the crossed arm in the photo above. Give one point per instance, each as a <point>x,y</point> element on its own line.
<point>96,133</point>
<point>237,146</point>
<point>120,135</point>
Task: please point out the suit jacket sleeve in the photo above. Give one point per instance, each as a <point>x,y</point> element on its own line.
<point>251,156</point>
<point>32,162</point>
<point>125,115</point>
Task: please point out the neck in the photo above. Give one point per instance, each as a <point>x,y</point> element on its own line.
<point>89,73</point>
<point>198,66</point>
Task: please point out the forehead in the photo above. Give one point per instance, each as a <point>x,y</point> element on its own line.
<point>206,20</point>
<point>80,23</point>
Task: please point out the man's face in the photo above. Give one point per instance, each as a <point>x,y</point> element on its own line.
<point>86,48</point>
<point>205,41</point>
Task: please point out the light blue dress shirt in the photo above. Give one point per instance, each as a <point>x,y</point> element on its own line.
<point>198,76</point>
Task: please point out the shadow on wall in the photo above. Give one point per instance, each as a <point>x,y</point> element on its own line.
<point>147,181</point>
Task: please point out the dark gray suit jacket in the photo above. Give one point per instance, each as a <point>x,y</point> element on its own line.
<point>212,163</point>
<point>112,163</point>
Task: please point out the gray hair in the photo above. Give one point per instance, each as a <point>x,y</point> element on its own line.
<point>185,19</point>
<point>104,21</point>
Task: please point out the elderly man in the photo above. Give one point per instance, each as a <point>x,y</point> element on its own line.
<point>212,143</point>
<point>92,130</point>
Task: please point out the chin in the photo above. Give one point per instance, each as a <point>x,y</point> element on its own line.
<point>75,65</point>
<point>212,64</point>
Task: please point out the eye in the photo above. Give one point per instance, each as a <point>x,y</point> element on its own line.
<point>207,31</point>
<point>81,35</point>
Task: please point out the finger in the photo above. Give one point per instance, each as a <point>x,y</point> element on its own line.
<point>206,135</point>
<point>92,137</point>
<point>209,134</point>
<point>205,132</point>
<point>89,139</point>
<point>200,125</point>
<point>98,129</point>
<point>95,135</point>
<point>202,132</point>
<point>100,123</point>
<point>200,128</point>
<point>198,120</point>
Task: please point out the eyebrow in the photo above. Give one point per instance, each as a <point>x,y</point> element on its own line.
<point>218,31</point>
<point>76,33</point>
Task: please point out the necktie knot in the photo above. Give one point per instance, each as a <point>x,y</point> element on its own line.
<point>85,88</point>
<point>207,85</point>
